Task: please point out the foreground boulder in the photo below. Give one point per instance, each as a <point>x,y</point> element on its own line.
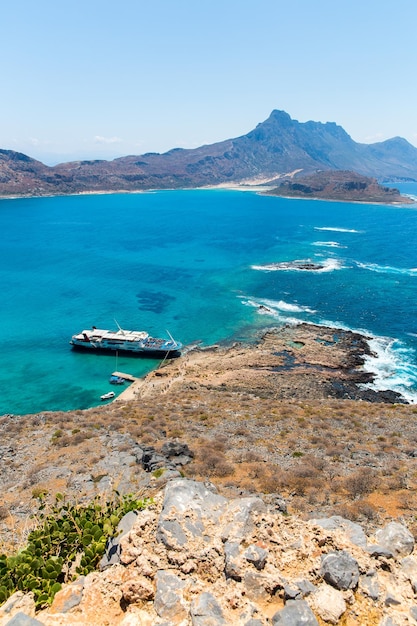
<point>196,558</point>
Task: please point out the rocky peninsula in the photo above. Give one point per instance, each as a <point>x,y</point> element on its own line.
<point>342,186</point>
<point>283,490</point>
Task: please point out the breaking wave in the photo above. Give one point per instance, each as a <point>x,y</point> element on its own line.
<point>335,229</point>
<point>393,367</point>
<point>387,269</point>
<point>328,244</point>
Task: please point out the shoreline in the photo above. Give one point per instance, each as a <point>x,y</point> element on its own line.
<point>261,189</point>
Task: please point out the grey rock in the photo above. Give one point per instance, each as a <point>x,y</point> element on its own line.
<point>292,593</point>
<point>206,611</point>
<point>377,551</point>
<point>21,619</point>
<point>256,555</point>
<point>340,570</point>
<point>306,587</point>
<point>240,512</point>
<point>254,622</point>
<point>354,531</point>
<point>168,596</point>
<point>233,562</point>
<point>409,568</point>
<point>112,553</point>
<point>296,613</point>
<point>368,585</point>
<point>258,586</point>
<point>391,600</point>
<point>176,449</point>
<point>188,506</point>
<point>396,538</point>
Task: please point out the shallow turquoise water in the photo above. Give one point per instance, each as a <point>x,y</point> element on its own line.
<point>184,261</point>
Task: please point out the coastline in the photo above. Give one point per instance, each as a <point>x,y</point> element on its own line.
<point>304,361</point>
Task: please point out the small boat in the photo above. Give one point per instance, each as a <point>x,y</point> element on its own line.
<point>108,395</point>
<point>116,380</point>
<point>135,342</point>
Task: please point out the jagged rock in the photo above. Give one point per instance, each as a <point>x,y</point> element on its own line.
<point>292,593</point>
<point>306,587</point>
<point>19,602</point>
<point>256,555</point>
<point>340,570</point>
<point>396,538</point>
<point>137,587</point>
<point>328,603</point>
<point>259,586</point>
<point>178,453</point>
<point>21,619</point>
<point>206,611</point>
<point>295,613</point>
<point>168,601</point>
<point>354,531</point>
<point>112,553</point>
<point>369,586</point>
<point>409,568</point>
<point>189,507</point>
<point>238,517</point>
<point>233,562</point>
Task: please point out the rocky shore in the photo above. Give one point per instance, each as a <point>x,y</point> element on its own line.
<point>303,361</point>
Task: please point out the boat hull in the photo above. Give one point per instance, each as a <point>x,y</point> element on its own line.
<point>143,353</point>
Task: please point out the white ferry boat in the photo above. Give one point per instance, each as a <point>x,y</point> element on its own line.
<point>135,342</point>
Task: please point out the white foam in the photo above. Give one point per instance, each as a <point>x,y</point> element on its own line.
<point>328,265</point>
<point>335,229</point>
<point>278,310</point>
<point>392,365</point>
<point>387,269</point>
<point>328,244</point>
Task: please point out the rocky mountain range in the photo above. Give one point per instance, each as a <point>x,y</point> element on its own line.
<point>277,147</point>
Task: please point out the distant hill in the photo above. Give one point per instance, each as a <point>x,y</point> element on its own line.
<point>339,185</point>
<point>276,147</point>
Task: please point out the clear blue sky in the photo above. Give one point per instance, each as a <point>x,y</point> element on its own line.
<point>105,78</point>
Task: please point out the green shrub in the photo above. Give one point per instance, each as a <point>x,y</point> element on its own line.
<point>65,532</point>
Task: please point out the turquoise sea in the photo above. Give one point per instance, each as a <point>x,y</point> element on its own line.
<point>197,263</point>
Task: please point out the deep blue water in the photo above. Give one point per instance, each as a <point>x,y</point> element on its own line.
<point>197,263</point>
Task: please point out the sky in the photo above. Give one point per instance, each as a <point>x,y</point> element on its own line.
<point>87,79</point>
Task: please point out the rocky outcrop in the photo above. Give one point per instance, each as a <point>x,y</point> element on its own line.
<point>341,186</point>
<point>197,558</point>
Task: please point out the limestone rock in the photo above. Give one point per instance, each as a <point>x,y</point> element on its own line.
<point>68,597</point>
<point>396,538</point>
<point>328,603</point>
<point>340,570</point>
<point>295,613</point>
<point>409,568</point>
<point>353,531</point>
<point>19,602</point>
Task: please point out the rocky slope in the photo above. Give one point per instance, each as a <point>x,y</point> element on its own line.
<point>197,558</point>
<point>276,147</point>
<point>341,186</point>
